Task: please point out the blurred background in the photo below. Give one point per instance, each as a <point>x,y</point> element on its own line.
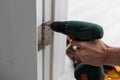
<point>103,12</point>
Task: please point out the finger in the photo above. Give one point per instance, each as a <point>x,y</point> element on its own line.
<point>80,48</point>
<point>80,44</point>
<point>69,39</point>
<point>80,53</point>
<point>75,43</point>
<point>104,43</point>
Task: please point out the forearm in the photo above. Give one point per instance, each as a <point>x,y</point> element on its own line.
<point>112,56</point>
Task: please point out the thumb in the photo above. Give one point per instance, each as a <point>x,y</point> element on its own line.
<point>76,43</point>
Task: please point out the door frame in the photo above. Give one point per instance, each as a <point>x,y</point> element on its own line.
<point>59,41</point>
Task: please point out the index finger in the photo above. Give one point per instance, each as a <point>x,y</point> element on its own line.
<point>80,44</point>
<point>75,43</point>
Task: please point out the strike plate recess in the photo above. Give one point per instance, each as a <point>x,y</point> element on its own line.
<point>47,36</point>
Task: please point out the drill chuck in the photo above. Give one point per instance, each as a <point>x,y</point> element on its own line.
<point>78,30</point>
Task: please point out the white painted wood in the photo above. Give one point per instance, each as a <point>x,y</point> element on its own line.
<point>23,21</point>
<point>59,40</point>
<point>39,12</point>
<point>48,4</point>
<point>6,53</point>
<point>18,52</point>
<point>39,54</point>
<point>47,17</point>
<point>48,10</point>
<point>39,65</point>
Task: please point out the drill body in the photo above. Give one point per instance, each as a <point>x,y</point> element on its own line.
<point>82,31</point>
<point>78,30</point>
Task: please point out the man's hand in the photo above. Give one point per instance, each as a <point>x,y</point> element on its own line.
<point>91,52</point>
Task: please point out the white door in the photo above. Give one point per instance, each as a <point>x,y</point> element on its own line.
<point>18,40</point>
<point>19,55</point>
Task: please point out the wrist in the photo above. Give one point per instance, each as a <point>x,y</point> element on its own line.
<point>112,56</point>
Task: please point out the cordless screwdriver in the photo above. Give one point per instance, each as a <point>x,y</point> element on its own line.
<point>82,31</point>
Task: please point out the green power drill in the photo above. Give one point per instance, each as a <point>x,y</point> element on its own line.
<point>82,31</point>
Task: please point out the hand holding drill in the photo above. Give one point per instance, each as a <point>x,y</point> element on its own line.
<point>92,51</point>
